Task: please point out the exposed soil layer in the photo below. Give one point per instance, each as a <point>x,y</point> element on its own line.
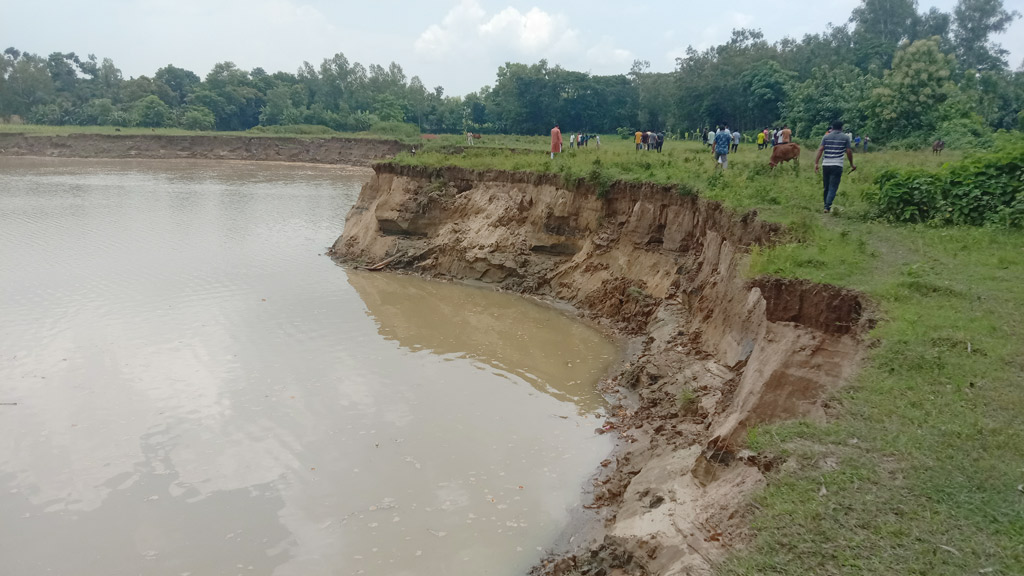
<point>350,151</point>
<point>713,353</point>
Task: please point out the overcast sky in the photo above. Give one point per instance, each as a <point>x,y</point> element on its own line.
<point>458,44</point>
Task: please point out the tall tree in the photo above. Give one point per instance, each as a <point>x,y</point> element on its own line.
<point>181,82</point>
<point>974,22</point>
<point>908,102</point>
<point>879,28</point>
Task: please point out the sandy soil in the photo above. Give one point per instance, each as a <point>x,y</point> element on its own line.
<point>712,351</point>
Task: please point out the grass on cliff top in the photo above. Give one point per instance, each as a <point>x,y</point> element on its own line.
<point>921,466</point>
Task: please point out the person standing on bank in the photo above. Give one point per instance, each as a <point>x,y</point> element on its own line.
<point>833,146</point>
<point>556,141</point>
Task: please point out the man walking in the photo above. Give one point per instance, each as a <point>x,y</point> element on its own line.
<point>556,141</point>
<point>723,141</point>
<point>736,141</point>
<point>833,146</point>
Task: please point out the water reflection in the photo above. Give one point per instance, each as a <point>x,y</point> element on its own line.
<point>555,354</point>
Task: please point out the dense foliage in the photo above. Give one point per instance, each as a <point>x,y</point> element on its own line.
<point>981,189</point>
<point>901,76</point>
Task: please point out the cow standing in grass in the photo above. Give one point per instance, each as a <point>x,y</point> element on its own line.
<point>784,153</point>
<point>938,146</point>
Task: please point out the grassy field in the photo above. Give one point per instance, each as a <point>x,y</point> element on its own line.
<point>920,469</point>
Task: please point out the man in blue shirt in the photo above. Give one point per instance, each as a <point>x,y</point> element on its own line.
<point>833,146</point>
<point>723,140</point>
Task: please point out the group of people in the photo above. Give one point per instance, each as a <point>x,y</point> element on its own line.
<point>708,137</point>
<point>649,140</point>
<point>771,137</point>
<point>580,140</point>
<point>576,140</point>
<point>836,147</point>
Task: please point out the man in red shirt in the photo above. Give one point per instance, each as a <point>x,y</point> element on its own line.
<point>556,141</point>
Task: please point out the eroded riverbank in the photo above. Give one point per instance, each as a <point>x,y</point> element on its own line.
<point>716,353</point>
<point>348,151</point>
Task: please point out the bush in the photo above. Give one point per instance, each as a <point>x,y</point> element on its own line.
<point>396,129</point>
<point>981,189</point>
<point>625,132</point>
<point>198,118</point>
<point>151,112</point>
<point>906,195</point>
<point>964,133</point>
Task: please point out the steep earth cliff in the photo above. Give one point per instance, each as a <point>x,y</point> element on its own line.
<point>351,151</point>
<point>714,352</point>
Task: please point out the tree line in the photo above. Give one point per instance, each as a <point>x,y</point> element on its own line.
<point>890,71</point>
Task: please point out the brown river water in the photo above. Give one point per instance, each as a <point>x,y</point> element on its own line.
<point>188,387</point>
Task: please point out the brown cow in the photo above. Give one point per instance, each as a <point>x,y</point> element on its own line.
<point>784,153</point>
<point>938,146</point>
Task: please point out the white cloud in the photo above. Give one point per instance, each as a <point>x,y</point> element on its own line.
<point>532,32</point>
<point>609,58</point>
<point>469,29</point>
<point>482,39</point>
<point>741,20</point>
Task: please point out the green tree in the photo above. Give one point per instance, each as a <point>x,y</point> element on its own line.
<point>198,118</point>
<point>765,85</point>
<point>908,101</point>
<point>27,86</point>
<point>179,81</point>
<point>98,112</point>
<point>279,108</point>
<point>109,81</point>
<point>238,103</point>
<point>829,94</point>
<point>974,22</point>
<point>152,112</point>
<point>879,28</point>
<point>136,89</point>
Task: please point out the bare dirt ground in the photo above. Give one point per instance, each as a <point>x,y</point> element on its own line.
<point>712,354</point>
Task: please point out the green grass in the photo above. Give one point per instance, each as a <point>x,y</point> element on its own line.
<point>924,453</point>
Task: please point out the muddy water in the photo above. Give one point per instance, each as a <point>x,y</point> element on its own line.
<point>188,387</point>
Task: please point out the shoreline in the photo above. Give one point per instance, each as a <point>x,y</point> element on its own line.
<point>360,152</point>
<point>711,352</point>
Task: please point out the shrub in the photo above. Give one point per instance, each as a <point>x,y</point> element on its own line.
<point>906,195</point>
<point>151,112</point>
<point>198,118</point>
<point>687,402</point>
<point>296,129</point>
<point>395,129</point>
<point>981,189</point>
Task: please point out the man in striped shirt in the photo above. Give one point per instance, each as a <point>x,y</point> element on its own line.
<point>833,146</point>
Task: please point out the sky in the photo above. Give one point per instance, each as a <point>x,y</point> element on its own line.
<point>457,44</point>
